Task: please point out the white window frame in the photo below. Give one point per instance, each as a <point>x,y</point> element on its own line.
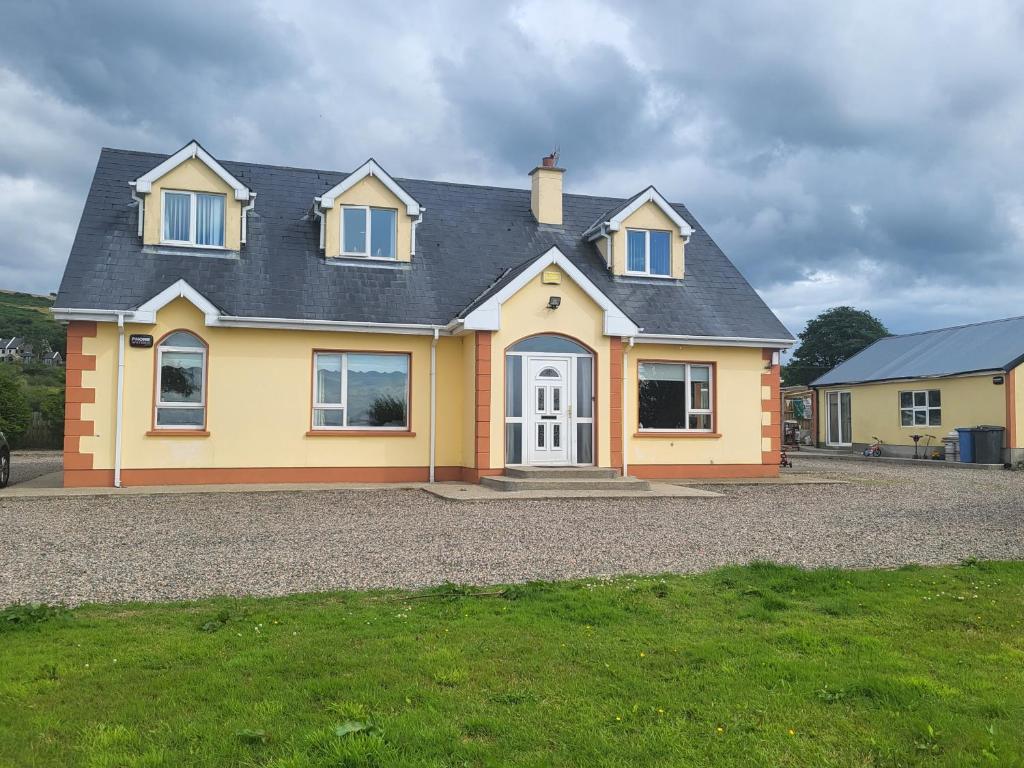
<point>191,242</point>
<point>927,408</point>
<point>369,232</point>
<point>647,253</point>
<point>343,405</point>
<point>160,349</point>
<point>710,411</point>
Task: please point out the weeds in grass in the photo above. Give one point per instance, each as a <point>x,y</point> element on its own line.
<point>21,615</point>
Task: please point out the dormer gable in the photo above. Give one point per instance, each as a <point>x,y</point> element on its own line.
<point>643,237</point>
<point>368,215</point>
<point>191,200</point>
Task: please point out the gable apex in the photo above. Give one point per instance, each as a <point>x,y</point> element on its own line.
<point>612,221</point>
<point>487,315</point>
<point>144,184</point>
<point>370,168</point>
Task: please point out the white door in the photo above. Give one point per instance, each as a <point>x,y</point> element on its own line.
<point>839,419</point>
<point>548,409</point>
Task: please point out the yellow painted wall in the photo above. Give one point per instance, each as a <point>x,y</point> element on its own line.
<point>648,216</point>
<point>259,400</point>
<point>738,417</point>
<point>546,195</point>
<point>192,176</point>
<point>966,402</point>
<point>372,192</point>
<point>526,314</point>
<point>1019,400</point>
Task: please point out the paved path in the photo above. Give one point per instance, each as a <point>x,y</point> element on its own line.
<point>104,548</point>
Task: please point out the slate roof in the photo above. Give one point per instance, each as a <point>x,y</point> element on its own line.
<point>991,346</point>
<point>470,236</point>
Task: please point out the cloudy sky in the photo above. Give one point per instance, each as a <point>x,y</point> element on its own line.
<point>859,153</point>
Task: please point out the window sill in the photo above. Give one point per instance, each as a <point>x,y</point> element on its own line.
<point>178,433</point>
<point>650,275</point>
<point>680,433</point>
<point>186,244</point>
<point>360,433</point>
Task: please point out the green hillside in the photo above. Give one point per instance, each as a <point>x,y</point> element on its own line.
<point>28,316</point>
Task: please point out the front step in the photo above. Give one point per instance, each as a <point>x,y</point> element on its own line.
<point>562,483</point>
<point>575,473</point>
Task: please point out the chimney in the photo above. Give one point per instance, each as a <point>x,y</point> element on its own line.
<point>546,191</point>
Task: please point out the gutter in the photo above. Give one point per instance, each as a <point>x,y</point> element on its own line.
<point>119,414</point>
<point>245,210</point>
<point>625,407</point>
<point>714,341</point>
<point>433,402</point>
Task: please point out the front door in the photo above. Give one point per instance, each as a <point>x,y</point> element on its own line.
<point>548,411</point>
<point>839,419</point>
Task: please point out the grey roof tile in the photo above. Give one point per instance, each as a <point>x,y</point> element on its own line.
<point>990,346</point>
<point>469,238</point>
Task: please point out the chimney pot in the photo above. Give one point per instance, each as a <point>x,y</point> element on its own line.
<point>550,160</point>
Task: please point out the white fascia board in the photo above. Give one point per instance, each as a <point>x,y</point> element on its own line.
<point>67,314</point>
<point>487,317</point>
<point>650,195</point>
<point>713,341</point>
<point>370,168</point>
<point>144,184</point>
<point>146,313</point>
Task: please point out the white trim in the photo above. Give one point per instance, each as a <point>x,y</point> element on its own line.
<point>144,184</point>
<point>146,313</point>
<point>927,408</point>
<point>487,317</point>
<point>713,341</point>
<point>649,195</point>
<point>370,168</point>
<point>828,417</point>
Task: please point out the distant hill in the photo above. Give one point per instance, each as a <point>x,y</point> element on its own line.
<point>28,315</point>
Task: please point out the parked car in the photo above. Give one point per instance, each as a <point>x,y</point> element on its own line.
<point>5,461</point>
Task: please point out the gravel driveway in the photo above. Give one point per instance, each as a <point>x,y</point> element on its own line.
<point>81,549</point>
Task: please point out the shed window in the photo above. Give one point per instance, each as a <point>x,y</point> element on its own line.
<point>921,408</point>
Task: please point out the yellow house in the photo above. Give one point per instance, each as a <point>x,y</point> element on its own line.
<point>926,384</point>
<point>235,322</point>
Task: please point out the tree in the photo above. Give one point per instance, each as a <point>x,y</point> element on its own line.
<point>15,414</point>
<point>835,335</point>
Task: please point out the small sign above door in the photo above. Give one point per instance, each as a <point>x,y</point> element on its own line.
<point>143,340</point>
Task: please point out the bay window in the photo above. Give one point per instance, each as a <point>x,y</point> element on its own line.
<point>355,390</point>
<point>648,252</point>
<point>181,382</point>
<point>921,408</point>
<point>675,397</point>
<point>193,218</point>
<point>368,231</point>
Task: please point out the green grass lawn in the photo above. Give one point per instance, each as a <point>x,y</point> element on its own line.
<point>757,666</point>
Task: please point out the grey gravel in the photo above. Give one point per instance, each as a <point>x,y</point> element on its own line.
<point>28,465</point>
<point>85,549</point>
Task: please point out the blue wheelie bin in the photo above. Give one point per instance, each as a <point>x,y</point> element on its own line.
<point>966,444</point>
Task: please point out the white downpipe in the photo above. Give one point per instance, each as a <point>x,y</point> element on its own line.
<point>418,220</point>
<point>142,205</point>
<point>119,415</point>
<point>608,248</point>
<point>433,401</point>
<point>625,408</point>
<point>245,218</point>
<point>318,211</point>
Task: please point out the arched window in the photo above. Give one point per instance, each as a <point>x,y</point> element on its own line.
<point>181,382</point>
<point>549,373</point>
<point>555,344</point>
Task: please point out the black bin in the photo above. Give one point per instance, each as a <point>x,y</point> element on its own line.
<point>988,444</point>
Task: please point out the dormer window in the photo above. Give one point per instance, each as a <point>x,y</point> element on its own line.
<point>193,218</point>
<point>649,252</point>
<point>368,232</point>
